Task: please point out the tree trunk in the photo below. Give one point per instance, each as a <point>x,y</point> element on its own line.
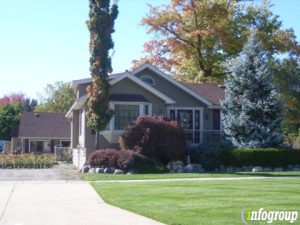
<point>97,142</point>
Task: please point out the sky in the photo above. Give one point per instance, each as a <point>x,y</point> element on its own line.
<point>43,41</point>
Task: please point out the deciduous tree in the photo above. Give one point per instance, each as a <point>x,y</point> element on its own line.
<point>193,38</point>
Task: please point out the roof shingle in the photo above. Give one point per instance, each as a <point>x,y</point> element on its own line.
<point>211,92</point>
<point>44,125</point>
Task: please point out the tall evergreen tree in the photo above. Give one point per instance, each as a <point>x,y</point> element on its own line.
<point>252,110</point>
<point>101,25</point>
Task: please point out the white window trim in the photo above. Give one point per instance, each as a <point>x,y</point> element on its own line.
<point>148,77</point>
<point>112,121</point>
<point>201,109</point>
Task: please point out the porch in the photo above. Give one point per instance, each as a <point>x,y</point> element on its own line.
<point>200,125</point>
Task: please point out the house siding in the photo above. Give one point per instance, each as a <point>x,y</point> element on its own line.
<point>182,98</point>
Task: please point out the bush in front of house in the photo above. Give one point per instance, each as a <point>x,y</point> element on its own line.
<point>125,160</point>
<point>155,137</point>
<point>211,156</point>
<point>27,161</point>
<point>266,157</point>
<point>104,158</point>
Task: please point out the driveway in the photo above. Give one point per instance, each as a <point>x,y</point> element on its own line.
<point>60,202</point>
<point>58,172</point>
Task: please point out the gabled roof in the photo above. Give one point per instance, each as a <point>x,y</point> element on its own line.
<point>44,125</point>
<point>213,92</point>
<point>173,81</point>
<point>144,85</point>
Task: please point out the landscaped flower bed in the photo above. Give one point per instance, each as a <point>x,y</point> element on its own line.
<point>27,161</point>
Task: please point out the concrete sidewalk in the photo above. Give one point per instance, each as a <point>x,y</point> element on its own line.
<point>60,203</point>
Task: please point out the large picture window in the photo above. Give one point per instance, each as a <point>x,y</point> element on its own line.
<point>125,114</point>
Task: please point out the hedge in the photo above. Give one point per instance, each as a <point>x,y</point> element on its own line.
<point>211,156</point>
<point>27,161</point>
<point>269,157</point>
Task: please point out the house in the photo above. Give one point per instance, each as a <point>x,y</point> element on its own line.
<point>41,132</point>
<point>149,91</point>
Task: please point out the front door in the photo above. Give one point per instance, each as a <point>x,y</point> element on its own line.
<point>189,120</point>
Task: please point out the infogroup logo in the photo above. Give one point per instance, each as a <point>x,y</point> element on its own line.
<point>268,216</point>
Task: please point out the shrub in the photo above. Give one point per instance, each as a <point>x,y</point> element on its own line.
<point>156,138</point>
<point>104,158</point>
<point>210,155</point>
<point>27,161</point>
<point>268,157</point>
<point>125,160</point>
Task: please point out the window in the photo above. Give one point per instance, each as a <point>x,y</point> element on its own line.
<point>147,79</point>
<point>146,109</point>
<point>216,119</point>
<point>125,114</point>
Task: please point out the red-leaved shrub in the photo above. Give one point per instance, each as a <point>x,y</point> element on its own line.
<point>155,137</point>
<point>121,159</point>
<point>104,158</point>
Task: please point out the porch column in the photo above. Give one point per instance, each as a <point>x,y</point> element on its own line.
<point>201,125</point>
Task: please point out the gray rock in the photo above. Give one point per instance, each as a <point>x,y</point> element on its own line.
<point>85,169</point>
<point>180,170</point>
<point>296,169</point>
<point>257,169</point>
<point>109,170</point>
<point>230,169</point>
<point>278,169</point>
<point>130,172</point>
<point>247,169</point>
<point>118,171</point>
<point>193,168</point>
<point>267,169</point>
<point>175,166</point>
<point>99,170</point>
<point>92,170</point>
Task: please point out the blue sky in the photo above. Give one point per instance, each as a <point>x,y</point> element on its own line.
<point>44,41</point>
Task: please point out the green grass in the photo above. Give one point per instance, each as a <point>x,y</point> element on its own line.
<point>203,202</point>
<point>96,177</point>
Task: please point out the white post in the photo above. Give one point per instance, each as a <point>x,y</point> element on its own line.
<point>201,125</point>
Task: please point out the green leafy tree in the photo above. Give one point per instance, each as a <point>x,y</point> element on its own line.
<point>57,97</point>
<point>252,110</point>
<point>101,22</point>
<point>193,39</point>
<point>11,106</point>
<point>287,77</point>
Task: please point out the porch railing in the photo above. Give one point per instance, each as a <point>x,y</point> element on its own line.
<point>195,137</point>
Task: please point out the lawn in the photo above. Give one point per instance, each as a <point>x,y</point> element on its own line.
<point>96,177</point>
<point>203,202</point>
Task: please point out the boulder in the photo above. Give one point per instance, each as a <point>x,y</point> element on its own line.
<point>278,169</point>
<point>99,170</point>
<point>92,170</point>
<point>85,169</point>
<point>109,170</point>
<point>194,168</point>
<point>175,166</point>
<point>267,169</point>
<point>296,168</point>
<point>118,171</point>
<point>247,169</point>
<point>257,169</point>
<point>130,172</point>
